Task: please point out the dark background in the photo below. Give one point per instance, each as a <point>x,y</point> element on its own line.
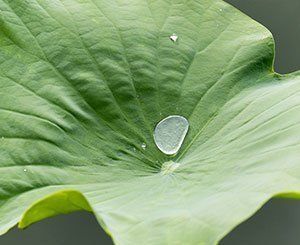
<point>277,223</point>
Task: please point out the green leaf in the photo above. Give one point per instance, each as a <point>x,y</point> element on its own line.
<point>83,84</point>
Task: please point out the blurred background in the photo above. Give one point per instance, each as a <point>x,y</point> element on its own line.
<point>277,223</point>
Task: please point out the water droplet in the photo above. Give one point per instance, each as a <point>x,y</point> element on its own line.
<point>174,37</point>
<point>169,134</point>
<point>25,170</point>
<point>221,10</point>
<point>120,153</point>
<point>134,149</point>
<point>144,146</point>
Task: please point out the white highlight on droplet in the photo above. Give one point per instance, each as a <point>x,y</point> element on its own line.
<point>25,170</point>
<point>169,134</point>
<point>174,37</point>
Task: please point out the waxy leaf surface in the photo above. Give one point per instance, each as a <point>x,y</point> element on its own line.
<point>83,83</point>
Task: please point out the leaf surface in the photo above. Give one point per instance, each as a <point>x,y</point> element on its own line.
<point>83,84</point>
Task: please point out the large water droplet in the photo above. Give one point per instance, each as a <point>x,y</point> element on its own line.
<point>169,134</point>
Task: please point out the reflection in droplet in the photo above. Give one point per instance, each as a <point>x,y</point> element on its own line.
<point>25,170</point>
<point>174,37</point>
<point>144,146</point>
<point>169,134</point>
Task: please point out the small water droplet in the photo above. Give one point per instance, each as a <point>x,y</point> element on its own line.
<point>174,37</point>
<point>144,146</point>
<point>134,149</point>
<point>221,10</point>
<point>25,170</point>
<point>120,153</point>
<point>169,134</point>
